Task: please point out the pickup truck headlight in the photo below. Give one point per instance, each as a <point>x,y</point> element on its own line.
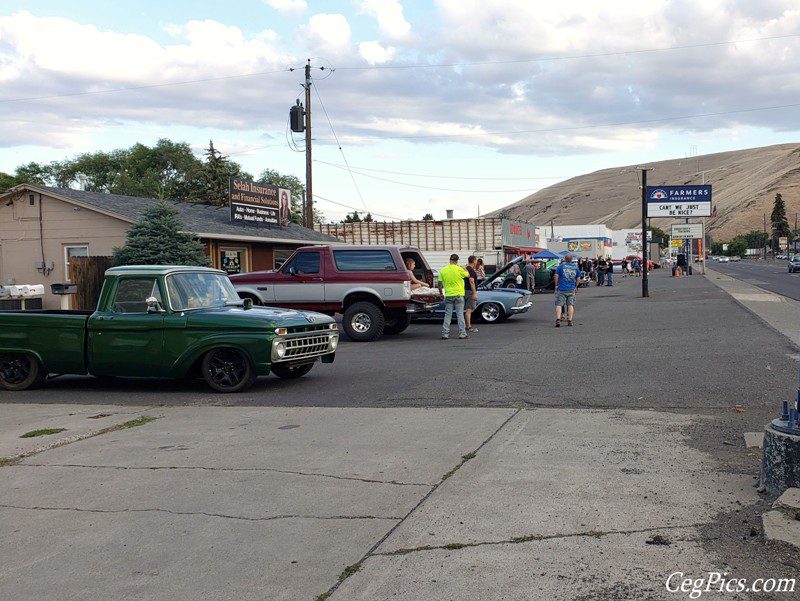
<point>333,326</point>
<point>334,342</point>
<point>280,350</point>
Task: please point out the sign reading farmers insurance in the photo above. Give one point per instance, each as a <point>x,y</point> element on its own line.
<point>258,204</point>
<point>519,234</point>
<point>679,201</point>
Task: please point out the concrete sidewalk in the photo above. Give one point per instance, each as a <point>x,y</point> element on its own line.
<point>273,503</point>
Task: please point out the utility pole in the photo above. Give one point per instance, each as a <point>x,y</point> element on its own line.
<point>645,282</point>
<point>765,236</point>
<point>308,213</point>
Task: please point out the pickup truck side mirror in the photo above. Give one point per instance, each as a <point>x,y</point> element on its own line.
<point>153,306</point>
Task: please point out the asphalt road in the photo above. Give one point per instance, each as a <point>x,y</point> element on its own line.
<point>769,275</point>
<point>680,349</point>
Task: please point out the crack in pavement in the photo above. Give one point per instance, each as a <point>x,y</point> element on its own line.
<point>531,538</point>
<point>352,569</point>
<point>225,469</point>
<point>203,513</point>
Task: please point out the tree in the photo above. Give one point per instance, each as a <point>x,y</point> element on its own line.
<point>354,218</point>
<point>7,181</point>
<point>216,171</point>
<point>368,218</point>
<point>780,225</point>
<point>659,236</point>
<point>427,217</point>
<point>737,247</point>
<point>754,239</point>
<point>157,238</point>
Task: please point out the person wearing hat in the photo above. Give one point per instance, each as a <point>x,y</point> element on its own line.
<point>451,279</point>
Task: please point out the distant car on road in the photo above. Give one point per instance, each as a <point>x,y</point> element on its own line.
<point>724,259</point>
<point>735,258</point>
<point>794,264</point>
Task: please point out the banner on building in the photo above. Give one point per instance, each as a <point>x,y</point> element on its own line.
<point>519,234</point>
<point>258,204</point>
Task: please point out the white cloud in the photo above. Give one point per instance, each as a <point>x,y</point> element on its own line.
<point>326,32</point>
<point>288,5</point>
<point>375,53</point>
<point>389,15</point>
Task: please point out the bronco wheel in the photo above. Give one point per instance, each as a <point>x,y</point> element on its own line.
<point>364,321</point>
<point>289,372</point>
<point>227,370</point>
<point>490,312</point>
<point>20,371</point>
<point>397,322</point>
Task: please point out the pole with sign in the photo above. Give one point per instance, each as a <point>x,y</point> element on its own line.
<point>645,214</point>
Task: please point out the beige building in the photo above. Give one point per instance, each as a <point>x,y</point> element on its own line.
<point>42,227</point>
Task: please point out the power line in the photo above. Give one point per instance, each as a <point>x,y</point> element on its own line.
<point>578,127</point>
<point>355,208</point>
<point>143,87</point>
<point>566,57</point>
<point>392,181</point>
<point>341,150</point>
<point>446,176</point>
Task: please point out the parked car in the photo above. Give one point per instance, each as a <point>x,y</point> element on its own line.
<point>163,321</point>
<point>724,259</point>
<point>794,263</point>
<point>735,258</point>
<point>543,277</point>
<point>494,303</point>
<point>368,285</point>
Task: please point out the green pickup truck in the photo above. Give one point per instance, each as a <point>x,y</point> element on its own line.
<point>165,321</point>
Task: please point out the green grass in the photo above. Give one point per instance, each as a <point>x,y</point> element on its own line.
<point>139,421</point>
<point>43,432</point>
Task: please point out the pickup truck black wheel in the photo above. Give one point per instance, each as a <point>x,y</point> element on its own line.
<point>289,372</point>
<point>364,321</point>
<point>227,370</point>
<point>20,371</point>
<point>397,322</point>
<point>491,312</point>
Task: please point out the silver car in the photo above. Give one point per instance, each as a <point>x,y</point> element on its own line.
<point>794,263</point>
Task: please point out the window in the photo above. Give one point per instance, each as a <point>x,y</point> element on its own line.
<point>73,251</point>
<point>200,291</point>
<point>364,260</point>
<point>303,263</point>
<point>132,295</point>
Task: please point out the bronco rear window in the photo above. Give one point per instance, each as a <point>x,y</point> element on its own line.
<point>364,260</point>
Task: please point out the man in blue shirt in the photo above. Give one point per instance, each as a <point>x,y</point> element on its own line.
<point>566,281</point>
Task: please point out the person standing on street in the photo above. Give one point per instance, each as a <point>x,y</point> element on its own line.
<point>451,279</point>
<point>610,273</point>
<point>530,275</point>
<point>566,281</point>
<point>601,271</point>
<point>471,292</point>
<point>480,270</point>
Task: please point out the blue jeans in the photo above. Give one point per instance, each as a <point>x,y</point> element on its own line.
<point>609,281</point>
<point>601,275</point>
<point>454,303</point>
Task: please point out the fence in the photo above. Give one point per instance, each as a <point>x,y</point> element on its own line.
<point>474,234</point>
<point>87,273</point>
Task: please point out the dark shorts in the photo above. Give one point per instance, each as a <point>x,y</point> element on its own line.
<point>469,301</point>
<point>565,299</point>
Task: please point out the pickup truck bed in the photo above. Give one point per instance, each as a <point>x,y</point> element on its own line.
<point>58,337</point>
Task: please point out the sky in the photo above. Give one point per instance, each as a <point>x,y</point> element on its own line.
<point>446,104</point>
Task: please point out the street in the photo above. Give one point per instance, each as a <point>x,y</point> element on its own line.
<point>527,462</point>
<point>772,275</point>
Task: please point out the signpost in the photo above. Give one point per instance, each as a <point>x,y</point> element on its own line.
<point>687,231</point>
<point>258,204</point>
<point>679,201</point>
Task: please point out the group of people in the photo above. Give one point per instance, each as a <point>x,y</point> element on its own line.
<point>460,285</point>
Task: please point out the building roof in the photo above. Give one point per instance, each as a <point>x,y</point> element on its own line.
<point>202,220</point>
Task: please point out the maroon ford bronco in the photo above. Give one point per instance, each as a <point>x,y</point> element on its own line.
<point>368,285</point>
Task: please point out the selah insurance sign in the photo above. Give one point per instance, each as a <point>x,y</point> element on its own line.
<point>679,201</point>
<point>258,204</point>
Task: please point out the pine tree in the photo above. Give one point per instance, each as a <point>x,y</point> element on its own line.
<point>780,225</point>
<point>157,239</point>
<point>427,217</point>
<point>368,218</point>
<point>216,171</point>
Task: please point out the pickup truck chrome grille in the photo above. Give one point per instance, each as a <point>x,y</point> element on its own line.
<point>304,346</point>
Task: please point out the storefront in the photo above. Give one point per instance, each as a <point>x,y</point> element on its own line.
<point>519,238</point>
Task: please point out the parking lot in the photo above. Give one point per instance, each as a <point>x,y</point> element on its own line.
<point>540,462</point>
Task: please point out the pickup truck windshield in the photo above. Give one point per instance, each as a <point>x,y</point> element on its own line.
<point>199,291</point>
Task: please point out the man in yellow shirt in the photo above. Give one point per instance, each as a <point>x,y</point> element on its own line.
<point>451,278</point>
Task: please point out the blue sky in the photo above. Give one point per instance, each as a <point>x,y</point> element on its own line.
<point>532,82</point>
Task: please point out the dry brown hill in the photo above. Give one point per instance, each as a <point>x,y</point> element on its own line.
<point>744,186</point>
